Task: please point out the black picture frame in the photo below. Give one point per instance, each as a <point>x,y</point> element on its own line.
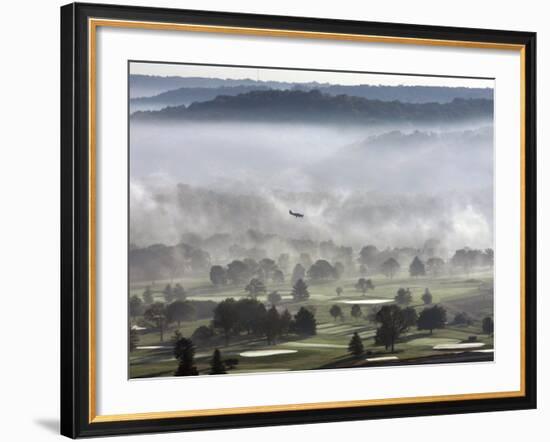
<point>75,221</point>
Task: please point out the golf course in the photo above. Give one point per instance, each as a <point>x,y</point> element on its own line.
<point>467,300</point>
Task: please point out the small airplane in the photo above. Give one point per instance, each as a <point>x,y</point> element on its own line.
<point>296,214</point>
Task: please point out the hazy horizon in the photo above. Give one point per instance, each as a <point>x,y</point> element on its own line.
<point>392,184</point>
<point>302,75</point>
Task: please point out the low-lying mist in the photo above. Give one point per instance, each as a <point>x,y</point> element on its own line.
<point>165,214</point>
<point>312,158</point>
<point>392,186</point>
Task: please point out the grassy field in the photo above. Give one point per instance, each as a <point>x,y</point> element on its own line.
<point>471,293</point>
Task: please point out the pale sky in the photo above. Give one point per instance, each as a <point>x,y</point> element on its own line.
<point>298,76</point>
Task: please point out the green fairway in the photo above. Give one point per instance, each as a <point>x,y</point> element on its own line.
<point>471,294</point>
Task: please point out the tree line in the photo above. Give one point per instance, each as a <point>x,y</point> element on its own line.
<point>251,317</point>
<point>393,321</point>
<point>372,260</point>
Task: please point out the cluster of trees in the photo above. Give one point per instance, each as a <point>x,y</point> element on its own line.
<point>394,321</point>
<point>161,315</point>
<point>322,270</point>
<point>240,271</point>
<point>267,270</point>
<point>467,259</point>
<point>372,260</point>
<point>174,293</point>
<point>247,315</point>
<point>184,352</point>
<point>166,262</point>
<point>363,285</point>
<point>169,293</point>
<point>462,318</point>
<point>404,297</point>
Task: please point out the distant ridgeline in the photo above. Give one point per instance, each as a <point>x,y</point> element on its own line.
<point>182,90</point>
<point>314,106</point>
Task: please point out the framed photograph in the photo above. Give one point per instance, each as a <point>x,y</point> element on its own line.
<point>279,220</point>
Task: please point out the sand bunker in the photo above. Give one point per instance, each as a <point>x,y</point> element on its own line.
<point>382,358</point>
<point>314,345</point>
<point>138,328</point>
<point>368,301</point>
<point>432,342</point>
<point>262,353</point>
<point>461,346</point>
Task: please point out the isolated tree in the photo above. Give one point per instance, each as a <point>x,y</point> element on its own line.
<point>488,325</point>
<point>363,285</point>
<point>272,325</point>
<point>410,316</point>
<point>278,276</point>
<point>300,291</point>
<point>184,352</point>
<point>202,334</point>
<point>403,297</point>
<point>299,272</point>
<point>305,323</point>
<point>274,298</point>
<point>336,312</point>
<point>427,297</point>
<point>134,339</point>
<point>390,267</point>
<point>417,267</point>
<point>237,272</point>
<point>321,270</point>
<point>392,324</point>
<point>431,318</point>
<point>434,266</point>
<point>339,291</point>
<point>285,322</point>
<point>217,366</point>
<point>462,318</point>
<point>148,295</point>
<point>251,316</point>
<point>178,311</point>
<point>356,311</point>
<point>255,287</point>
<point>368,256</point>
<point>226,317</point>
<point>156,313</point>
<point>464,259</point>
<point>136,306</point>
<point>168,293</point>
<point>218,275</point>
<point>179,292</point>
<point>355,346</point>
